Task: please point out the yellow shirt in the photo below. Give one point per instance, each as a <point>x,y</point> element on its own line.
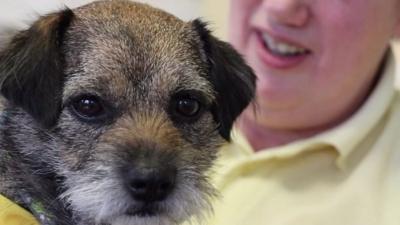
<point>12,214</point>
<point>349,175</point>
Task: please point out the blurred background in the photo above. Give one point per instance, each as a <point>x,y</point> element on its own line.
<point>20,13</point>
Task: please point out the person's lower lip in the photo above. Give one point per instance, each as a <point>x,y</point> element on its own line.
<point>276,61</point>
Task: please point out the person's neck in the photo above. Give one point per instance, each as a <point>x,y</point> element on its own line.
<point>261,138</point>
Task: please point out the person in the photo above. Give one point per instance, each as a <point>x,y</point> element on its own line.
<point>321,144</point>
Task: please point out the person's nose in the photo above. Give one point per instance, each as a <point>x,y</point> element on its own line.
<point>293,13</point>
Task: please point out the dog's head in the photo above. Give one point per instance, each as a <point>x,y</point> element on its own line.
<point>131,104</point>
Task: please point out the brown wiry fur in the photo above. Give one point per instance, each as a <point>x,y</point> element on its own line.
<point>138,61</point>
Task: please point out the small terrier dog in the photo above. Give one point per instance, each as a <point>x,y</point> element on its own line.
<point>113,113</point>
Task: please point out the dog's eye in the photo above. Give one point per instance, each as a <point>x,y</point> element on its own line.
<point>88,107</point>
<point>187,107</point>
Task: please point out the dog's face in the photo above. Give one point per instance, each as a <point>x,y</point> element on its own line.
<point>131,104</point>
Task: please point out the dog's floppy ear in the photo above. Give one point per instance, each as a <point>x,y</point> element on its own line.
<point>31,67</point>
<point>233,80</point>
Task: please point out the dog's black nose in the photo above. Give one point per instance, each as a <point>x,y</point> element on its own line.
<point>151,184</point>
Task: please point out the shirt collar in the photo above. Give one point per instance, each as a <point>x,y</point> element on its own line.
<point>347,135</point>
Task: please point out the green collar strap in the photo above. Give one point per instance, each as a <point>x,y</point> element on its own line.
<point>13,214</point>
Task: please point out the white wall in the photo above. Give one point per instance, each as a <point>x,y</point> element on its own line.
<point>216,12</point>
<point>20,13</point>
<point>184,9</point>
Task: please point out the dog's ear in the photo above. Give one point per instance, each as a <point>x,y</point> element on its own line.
<point>233,80</point>
<point>31,67</point>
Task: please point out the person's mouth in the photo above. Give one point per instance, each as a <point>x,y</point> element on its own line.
<point>279,53</point>
<point>282,48</point>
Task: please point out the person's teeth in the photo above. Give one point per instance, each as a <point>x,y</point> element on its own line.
<point>282,48</point>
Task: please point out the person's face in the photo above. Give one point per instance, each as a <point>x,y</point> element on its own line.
<point>315,60</point>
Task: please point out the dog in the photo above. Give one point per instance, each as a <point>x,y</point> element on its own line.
<point>113,113</point>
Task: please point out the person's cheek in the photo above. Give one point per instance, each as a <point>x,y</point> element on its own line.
<point>239,22</point>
